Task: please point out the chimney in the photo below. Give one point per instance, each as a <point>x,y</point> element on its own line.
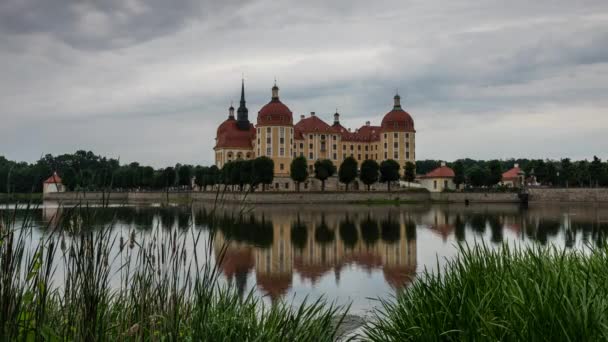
<point>367,123</point>
<point>516,165</point>
<point>302,117</point>
<point>336,118</point>
<point>349,130</point>
<point>442,164</point>
<point>312,113</point>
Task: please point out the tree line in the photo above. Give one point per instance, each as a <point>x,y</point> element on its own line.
<point>84,170</point>
<point>555,173</point>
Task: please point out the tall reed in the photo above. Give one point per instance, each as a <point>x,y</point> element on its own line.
<point>85,283</point>
<point>509,294</point>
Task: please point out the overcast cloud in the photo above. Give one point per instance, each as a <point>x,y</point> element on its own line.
<point>151,80</point>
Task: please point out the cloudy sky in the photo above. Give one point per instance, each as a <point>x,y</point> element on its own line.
<point>150,80</point>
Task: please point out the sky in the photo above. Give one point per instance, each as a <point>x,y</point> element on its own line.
<point>150,81</point>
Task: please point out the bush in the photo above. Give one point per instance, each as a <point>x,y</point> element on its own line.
<point>534,294</point>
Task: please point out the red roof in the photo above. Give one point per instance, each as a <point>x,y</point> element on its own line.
<point>440,172</point>
<point>312,124</point>
<point>229,135</point>
<point>364,134</point>
<point>54,179</point>
<point>274,285</point>
<point>275,113</point>
<point>398,120</point>
<point>511,174</point>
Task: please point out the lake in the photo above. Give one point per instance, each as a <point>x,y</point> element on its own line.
<point>348,254</point>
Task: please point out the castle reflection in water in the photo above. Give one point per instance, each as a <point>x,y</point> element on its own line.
<point>315,243</point>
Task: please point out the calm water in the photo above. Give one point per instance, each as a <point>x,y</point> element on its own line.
<point>350,254</point>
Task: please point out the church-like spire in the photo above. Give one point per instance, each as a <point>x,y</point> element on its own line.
<point>242,112</point>
<point>231,111</point>
<point>275,91</point>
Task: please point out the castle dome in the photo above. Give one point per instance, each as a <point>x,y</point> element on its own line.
<point>398,119</point>
<point>275,113</point>
<point>230,135</point>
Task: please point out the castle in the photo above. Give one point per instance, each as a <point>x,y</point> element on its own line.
<point>276,136</point>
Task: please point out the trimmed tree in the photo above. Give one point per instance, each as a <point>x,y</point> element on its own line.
<point>323,170</point>
<point>200,177</point>
<point>389,172</point>
<point>409,172</point>
<point>213,176</point>
<point>458,173</point>
<point>184,174</point>
<point>477,176</point>
<point>348,171</point>
<point>369,172</point>
<point>246,175</point>
<point>263,171</point>
<point>298,170</point>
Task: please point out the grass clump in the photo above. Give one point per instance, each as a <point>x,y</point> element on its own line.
<point>537,294</point>
<point>86,283</point>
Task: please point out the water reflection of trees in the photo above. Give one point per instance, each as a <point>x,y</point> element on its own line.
<point>348,233</point>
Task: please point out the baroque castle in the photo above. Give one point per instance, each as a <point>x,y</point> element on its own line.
<point>276,136</point>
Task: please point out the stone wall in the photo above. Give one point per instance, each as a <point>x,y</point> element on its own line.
<point>474,197</point>
<point>568,195</point>
<point>93,197</point>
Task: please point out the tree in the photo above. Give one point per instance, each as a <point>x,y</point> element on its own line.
<point>323,170</point>
<point>246,175</point>
<point>478,176</point>
<point>567,172</point>
<point>389,172</point>
<point>369,172</point>
<point>348,171</point>
<point>213,176</point>
<point>596,171</point>
<point>169,177</point>
<point>184,175</point>
<point>200,177</point>
<point>458,173</point>
<point>298,170</point>
<point>409,173</point>
<point>494,175</point>
<point>263,171</point>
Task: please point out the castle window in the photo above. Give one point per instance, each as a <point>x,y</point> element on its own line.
<point>396,155</point>
<point>310,146</point>
<point>335,156</point>
<point>334,137</point>
<point>268,140</point>
<point>396,144</point>
<point>396,135</point>
<point>385,155</point>
<point>385,136</point>
<point>407,155</point>
<point>366,147</point>
<point>343,147</point>
<point>281,166</point>
<point>385,145</point>
<point>268,130</point>
<point>310,156</point>
<point>358,147</point>
<point>366,156</point>
<point>268,151</point>
<point>258,130</point>
<point>335,147</point>
<point>445,183</point>
<point>322,136</point>
<point>358,157</point>
<point>268,118</point>
<point>352,148</point>
<point>286,187</point>
<point>281,141</point>
<point>301,145</point>
<point>407,135</point>
<point>407,145</point>
<point>310,136</point>
<point>434,184</point>
<point>282,152</point>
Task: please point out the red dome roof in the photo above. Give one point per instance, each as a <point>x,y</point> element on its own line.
<point>275,113</point>
<point>398,120</point>
<point>229,135</point>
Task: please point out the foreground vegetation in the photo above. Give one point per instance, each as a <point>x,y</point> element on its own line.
<point>85,284</point>
<point>535,294</point>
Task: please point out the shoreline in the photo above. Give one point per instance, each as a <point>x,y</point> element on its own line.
<point>536,195</point>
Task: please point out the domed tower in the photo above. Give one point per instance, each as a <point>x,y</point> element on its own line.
<point>398,140</point>
<point>275,133</point>
<point>234,136</point>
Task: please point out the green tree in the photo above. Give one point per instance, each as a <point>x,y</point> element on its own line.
<point>263,171</point>
<point>389,172</point>
<point>184,175</point>
<point>458,173</point>
<point>213,176</point>
<point>494,175</point>
<point>567,172</point>
<point>324,169</point>
<point>596,170</point>
<point>298,170</point>
<point>200,177</point>
<point>369,172</point>
<point>348,171</point>
<point>478,176</point>
<point>409,172</point>
<point>246,176</point>
<point>169,177</point>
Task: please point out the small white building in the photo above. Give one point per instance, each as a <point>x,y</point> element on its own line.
<point>53,184</point>
<point>439,179</point>
<point>514,178</point>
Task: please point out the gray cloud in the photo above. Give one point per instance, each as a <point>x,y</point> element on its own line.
<point>150,80</point>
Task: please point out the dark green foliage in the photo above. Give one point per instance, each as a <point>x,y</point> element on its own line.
<point>409,173</point>
<point>369,172</point>
<point>184,175</point>
<point>389,172</point>
<point>478,176</point>
<point>494,173</point>
<point>246,175</point>
<point>536,294</point>
<point>369,231</point>
<point>263,171</point>
<point>323,234</point>
<point>459,177</point>
<point>299,234</point>
<point>348,171</point>
<point>323,170</point>
<point>298,170</point>
<point>348,233</point>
